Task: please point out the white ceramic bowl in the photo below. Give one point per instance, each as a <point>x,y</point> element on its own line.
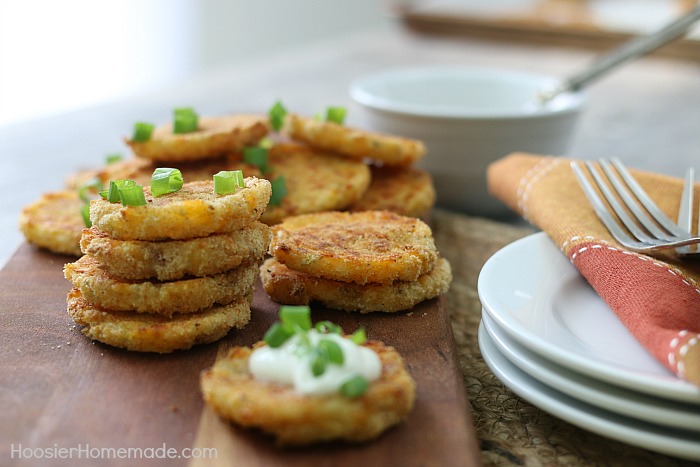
<point>467,117</point>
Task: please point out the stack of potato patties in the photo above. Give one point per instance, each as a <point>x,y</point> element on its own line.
<point>176,272</point>
<point>361,261</point>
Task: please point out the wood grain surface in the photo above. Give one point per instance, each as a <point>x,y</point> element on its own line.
<point>60,390</point>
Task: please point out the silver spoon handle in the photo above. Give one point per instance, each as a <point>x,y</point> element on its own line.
<point>629,50</point>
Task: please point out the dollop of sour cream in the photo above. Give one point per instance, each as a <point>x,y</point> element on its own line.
<point>290,364</point>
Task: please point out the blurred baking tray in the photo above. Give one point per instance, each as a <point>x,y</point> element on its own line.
<point>598,24</point>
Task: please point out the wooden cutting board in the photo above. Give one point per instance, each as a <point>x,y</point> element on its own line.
<point>59,390</point>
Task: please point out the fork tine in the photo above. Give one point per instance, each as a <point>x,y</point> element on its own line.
<point>685,213</point>
<point>646,201</point>
<point>599,207</point>
<point>631,203</point>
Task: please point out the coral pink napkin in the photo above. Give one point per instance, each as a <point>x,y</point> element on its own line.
<point>657,298</point>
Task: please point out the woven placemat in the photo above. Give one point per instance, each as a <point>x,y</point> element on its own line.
<point>510,430</point>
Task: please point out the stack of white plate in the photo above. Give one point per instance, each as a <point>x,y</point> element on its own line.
<point>552,340</point>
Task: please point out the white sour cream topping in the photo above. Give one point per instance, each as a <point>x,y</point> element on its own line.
<point>291,364</point>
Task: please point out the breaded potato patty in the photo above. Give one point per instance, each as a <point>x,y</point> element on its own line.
<point>361,247</point>
<point>315,181</point>
<point>194,211</point>
<point>290,287</point>
<point>54,222</point>
<point>174,259</point>
<point>214,137</point>
<point>165,298</point>
<point>408,191</point>
<point>352,142</point>
<point>156,333</point>
<point>295,419</point>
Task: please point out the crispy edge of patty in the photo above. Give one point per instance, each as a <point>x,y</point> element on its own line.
<point>194,211</point>
<point>290,287</point>
<point>214,137</point>
<point>361,247</point>
<point>408,191</point>
<point>173,259</point>
<point>315,181</point>
<point>156,333</point>
<point>54,222</point>
<point>188,295</point>
<point>353,142</point>
<point>295,419</point>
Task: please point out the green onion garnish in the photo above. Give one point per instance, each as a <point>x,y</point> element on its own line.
<point>125,191</point>
<point>354,387</point>
<point>319,362</point>
<point>227,181</point>
<point>185,120</point>
<point>142,132</point>
<point>277,335</point>
<point>279,191</point>
<point>296,316</point>
<point>132,195</point>
<point>336,115</point>
<point>165,180</point>
<point>85,212</point>
<point>266,143</point>
<point>112,193</point>
<point>112,158</point>
<point>276,114</point>
<point>332,351</point>
<point>94,184</point>
<point>359,336</point>
<point>328,327</point>
<point>256,156</point>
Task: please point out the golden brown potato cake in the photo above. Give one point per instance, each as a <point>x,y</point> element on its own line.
<point>188,295</point>
<point>290,287</point>
<point>408,191</point>
<point>156,333</point>
<point>194,211</point>
<point>361,247</point>
<point>174,259</point>
<point>315,181</point>
<point>295,419</point>
<point>54,222</point>
<point>352,142</point>
<point>215,136</point>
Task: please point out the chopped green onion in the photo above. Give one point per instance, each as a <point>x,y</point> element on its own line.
<point>276,114</point>
<point>296,316</point>
<point>256,156</point>
<point>85,212</point>
<point>227,181</point>
<point>336,115</point>
<point>354,387</point>
<point>319,362</point>
<point>277,335</point>
<point>92,184</point>
<point>332,350</point>
<point>279,191</point>
<point>165,180</point>
<point>359,336</point>
<point>142,132</point>
<point>112,193</point>
<point>328,327</point>
<point>112,158</point>
<point>185,120</point>
<point>132,195</point>
<point>266,143</point>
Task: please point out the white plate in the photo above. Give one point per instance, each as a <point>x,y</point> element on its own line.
<point>538,298</point>
<point>665,440</point>
<point>592,391</point>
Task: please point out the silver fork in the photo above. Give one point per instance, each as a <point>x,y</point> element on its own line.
<point>648,228</point>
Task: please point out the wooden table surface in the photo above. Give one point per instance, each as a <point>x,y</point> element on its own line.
<point>646,113</point>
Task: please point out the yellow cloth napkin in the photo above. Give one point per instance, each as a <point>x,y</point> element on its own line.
<point>656,297</point>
